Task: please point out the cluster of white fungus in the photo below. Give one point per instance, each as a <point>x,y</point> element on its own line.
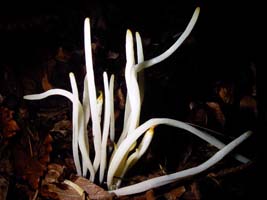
<point>127,151</point>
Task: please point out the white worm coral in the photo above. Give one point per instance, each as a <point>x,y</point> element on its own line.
<point>92,93</point>
<point>174,47</point>
<point>166,179</point>
<point>71,97</point>
<point>126,153</point>
<point>112,119</point>
<point>105,129</point>
<point>122,151</point>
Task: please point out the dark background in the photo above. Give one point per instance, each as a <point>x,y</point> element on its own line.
<point>225,41</point>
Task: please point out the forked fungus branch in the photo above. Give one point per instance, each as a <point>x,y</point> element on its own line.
<point>127,151</point>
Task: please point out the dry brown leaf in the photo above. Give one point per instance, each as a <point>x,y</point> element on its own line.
<point>53,189</point>
<point>121,98</point>
<point>62,55</point>
<point>94,191</point>
<point>175,193</point>
<point>31,167</point>
<point>215,107</point>
<point>150,195</point>
<point>249,103</point>
<point>53,173</point>
<point>193,193</point>
<point>225,91</point>
<point>198,115</point>
<point>8,126</point>
<point>60,192</point>
<point>46,85</point>
<point>63,126</point>
<point>4,183</point>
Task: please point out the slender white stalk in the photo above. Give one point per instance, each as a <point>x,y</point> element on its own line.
<point>174,47</point>
<point>238,157</point>
<point>166,179</point>
<point>86,105</point>
<point>105,129</point>
<point>131,83</point>
<point>86,111</point>
<point>75,115</point>
<point>140,59</point>
<point>75,150</point>
<point>129,51</point>
<point>92,93</point>
<point>134,157</point>
<point>131,139</point>
<point>79,123</point>
<point>112,118</point>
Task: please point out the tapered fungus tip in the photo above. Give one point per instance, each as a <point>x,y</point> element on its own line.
<point>129,33</point>
<point>197,10</point>
<point>71,75</point>
<point>87,20</point>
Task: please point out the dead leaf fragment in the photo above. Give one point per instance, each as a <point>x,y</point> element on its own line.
<point>94,191</point>
<point>249,103</point>
<point>175,193</point>
<point>46,85</point>
<point>4,183</point>
<point>8,126</point>
<point>217,111</point>
<point>31,167</point>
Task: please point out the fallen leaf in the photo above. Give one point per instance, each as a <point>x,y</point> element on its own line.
<point>53,173</point>
<point>46,85</point>
<point>63,126</point>
<point>121,98</point>
<point>60,192</point>
<point>31,167</point>
<point>193,193</point>
<point>62,55</point>
<point>198,114</point>
<point>248,103</point>
<point>215,107</point>
<point>150,195</point>
<point>175,193</point>
<point>225,92</point>
<point>8,126</point>
<point>4,183</point>
<point>94,191</point>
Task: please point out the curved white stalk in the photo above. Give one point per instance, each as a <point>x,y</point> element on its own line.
<point>69,95</point>
<point>86,105</point>
<point>86,111</point>
<point>131,139</point>
<point>166,179</point>
<point>131,84</point>
<point>92,93</point>
<point>112,118</point>
<point>129,51</point>
<point>174,47</point>
<point>140,59</point>
<point>80,125</point>
<point>105,129</point>
<point>134,157</point>
<point>75,116</point>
